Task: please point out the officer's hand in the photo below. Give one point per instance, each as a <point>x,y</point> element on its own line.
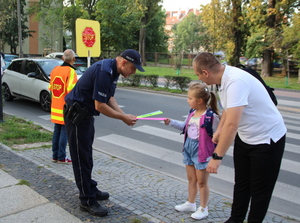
<point>129,119</point>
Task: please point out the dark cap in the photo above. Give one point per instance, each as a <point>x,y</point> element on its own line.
<point>133,57</point>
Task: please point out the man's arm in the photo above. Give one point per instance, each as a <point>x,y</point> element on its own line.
<point>116,114</point>
<point>229,129</point>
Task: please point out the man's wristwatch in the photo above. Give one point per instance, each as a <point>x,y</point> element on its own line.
<point>216,157</point>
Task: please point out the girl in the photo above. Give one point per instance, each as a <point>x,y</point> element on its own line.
<point>196,155</point>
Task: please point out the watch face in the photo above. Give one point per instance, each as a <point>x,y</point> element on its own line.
<point>216,157</point>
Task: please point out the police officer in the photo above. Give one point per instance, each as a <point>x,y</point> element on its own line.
<point>92,95</point>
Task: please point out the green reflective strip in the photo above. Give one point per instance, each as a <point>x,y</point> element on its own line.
<point>71,84</point>
<point>54,117</point>
<point>55,110</point>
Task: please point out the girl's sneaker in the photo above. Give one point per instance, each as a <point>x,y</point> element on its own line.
<point>187,206</point>
<point>200,213</point>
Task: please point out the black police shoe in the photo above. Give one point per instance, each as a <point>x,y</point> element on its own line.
<point>101,195</point>
<point>94,209</point>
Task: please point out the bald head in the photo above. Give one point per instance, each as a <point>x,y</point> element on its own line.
<point>69,56</point>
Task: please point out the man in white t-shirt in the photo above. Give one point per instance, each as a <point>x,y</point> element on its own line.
<point>253,122</point>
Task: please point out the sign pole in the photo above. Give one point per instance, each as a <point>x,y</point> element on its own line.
<point>89,58</point>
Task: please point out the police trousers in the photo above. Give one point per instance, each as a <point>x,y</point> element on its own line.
<point>81,138</point>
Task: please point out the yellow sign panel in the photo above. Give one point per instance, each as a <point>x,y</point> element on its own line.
<point>88,38</point>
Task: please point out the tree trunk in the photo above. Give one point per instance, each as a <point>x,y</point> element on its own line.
<point>142,41</point>
<point>236,32</point>
<point>267,68</point>
<point>268,54</point>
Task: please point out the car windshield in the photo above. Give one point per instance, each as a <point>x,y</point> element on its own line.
<point>10,57</point>
<point>48,65</point>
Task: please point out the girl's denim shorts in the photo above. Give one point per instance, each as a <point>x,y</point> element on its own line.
<point>190,154</point>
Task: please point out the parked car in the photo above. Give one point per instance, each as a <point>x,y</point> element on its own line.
<point>8,58</point>
<point>28,78</point>
<point>253,62</point>
<point>80,63</point>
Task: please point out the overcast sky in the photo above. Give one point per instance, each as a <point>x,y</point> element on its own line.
<point>174,5</point>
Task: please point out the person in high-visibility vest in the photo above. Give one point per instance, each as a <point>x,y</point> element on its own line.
<point>62,80</point>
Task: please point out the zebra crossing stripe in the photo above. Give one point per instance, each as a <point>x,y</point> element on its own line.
<point>282,190</point>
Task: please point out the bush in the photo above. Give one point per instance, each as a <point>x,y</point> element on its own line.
<point>181,82</point>
<point>134,80</point>
<point>168,81</point>
<point>152,79</point>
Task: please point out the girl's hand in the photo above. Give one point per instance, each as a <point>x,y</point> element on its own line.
<point>167,121</point>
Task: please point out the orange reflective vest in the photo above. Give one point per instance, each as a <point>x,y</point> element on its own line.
<point>62,81</point>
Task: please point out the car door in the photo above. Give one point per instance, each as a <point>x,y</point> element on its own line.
<point>30,85</point>
<point>13,76</point>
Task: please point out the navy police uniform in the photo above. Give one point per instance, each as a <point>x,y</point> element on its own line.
<point>97,83</point>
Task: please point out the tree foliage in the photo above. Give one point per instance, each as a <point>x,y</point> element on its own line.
<point>187,35</point>
<point>149,9</point>
<point>50,14</point>
<point>291,38</point>
<point>120,24</point>
<point>9,25</point>
<point>156,38</point>
<point>267,21</point>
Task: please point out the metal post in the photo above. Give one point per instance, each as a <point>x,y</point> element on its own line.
<point>19,28</point>
<point>1,105</point>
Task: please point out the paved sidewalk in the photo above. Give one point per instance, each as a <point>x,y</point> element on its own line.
<point>137,194</point>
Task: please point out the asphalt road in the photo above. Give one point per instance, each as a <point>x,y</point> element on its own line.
<point>156,146</point>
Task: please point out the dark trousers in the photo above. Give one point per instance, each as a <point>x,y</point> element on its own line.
<point>81,138</point>
<point>59,142</point>
<point>256,171</point>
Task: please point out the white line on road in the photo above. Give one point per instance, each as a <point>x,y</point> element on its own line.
<point>282,190</point>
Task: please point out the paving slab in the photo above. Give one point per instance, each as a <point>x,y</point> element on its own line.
<point>19,198</point>
<point>6,179</point>
<point>46,213</point>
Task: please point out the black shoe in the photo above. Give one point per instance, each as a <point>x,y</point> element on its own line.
<point>101,195</point>
<point>232,221</point>
<point>94,209</point>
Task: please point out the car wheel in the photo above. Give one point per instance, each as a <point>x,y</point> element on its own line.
<point>45,101</point>
<point>7,94</point>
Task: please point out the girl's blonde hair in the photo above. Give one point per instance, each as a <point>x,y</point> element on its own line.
<point>201,91</point>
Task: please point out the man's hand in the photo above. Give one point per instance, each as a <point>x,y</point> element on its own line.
<point>213,165</point>
<point>129,119</point>
<point>215,138</point>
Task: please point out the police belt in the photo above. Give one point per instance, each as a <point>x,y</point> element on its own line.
<point>75,112</point>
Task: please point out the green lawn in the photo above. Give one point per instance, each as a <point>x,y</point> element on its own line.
<point>276,81</point>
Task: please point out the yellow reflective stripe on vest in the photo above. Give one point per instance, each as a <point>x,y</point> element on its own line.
<point>58,118</point>
<point>71,84</point>
<point>55,110</point>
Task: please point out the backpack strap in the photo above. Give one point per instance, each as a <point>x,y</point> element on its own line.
<point>183,131</point>
<point>258,77</point>
<point>209,115</point>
